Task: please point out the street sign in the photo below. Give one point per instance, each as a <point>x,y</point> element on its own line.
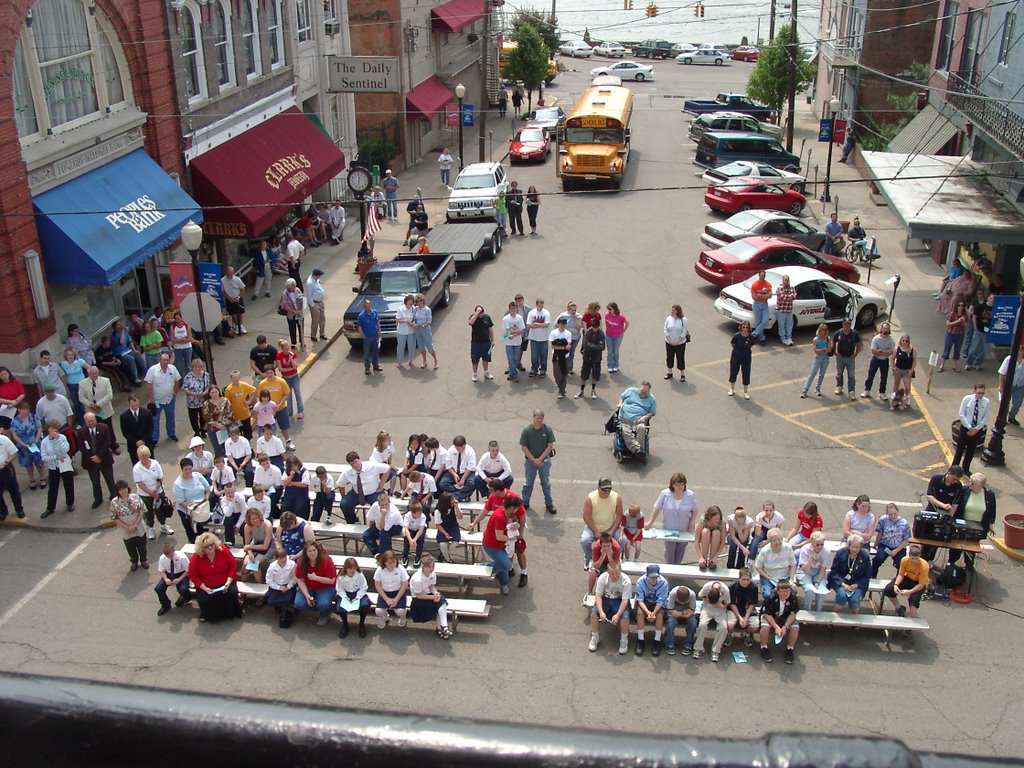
<point>451,113</point>
<point>467,115</point>
<point>209,279</point>
<point>825,130</point>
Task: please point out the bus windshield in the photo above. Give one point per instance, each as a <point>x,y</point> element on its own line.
<point>609,135</point>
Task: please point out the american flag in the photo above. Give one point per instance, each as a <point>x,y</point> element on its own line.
<point>372,222</point>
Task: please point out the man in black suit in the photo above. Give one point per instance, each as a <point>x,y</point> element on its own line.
<point>136,426</point>
<point>97,456</point>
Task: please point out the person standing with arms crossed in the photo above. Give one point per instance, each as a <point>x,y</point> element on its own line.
<point>391,185</point>
<point>514,201</point>
<point>760,292</point>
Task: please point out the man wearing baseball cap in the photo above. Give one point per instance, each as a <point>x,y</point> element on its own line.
<point>602,513</point>
<point>651,604</point>
<point>315,295</point>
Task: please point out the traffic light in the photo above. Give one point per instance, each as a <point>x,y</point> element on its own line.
<point>652,10</point>
<point>627,5</point>
<point>702,10</point>
<point>696,9</point>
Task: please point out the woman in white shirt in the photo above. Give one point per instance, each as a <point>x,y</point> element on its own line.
<point>391,581</point>
<point>149,484</point>
<point>404,332</point>
<point>257,544</point>
<point>383,453</point>
<point>679,505</point>
<point>860,519</point>
<point>676,336</point>
<point>281,586</point>
<point>427,602</point>
<point>352,588</point>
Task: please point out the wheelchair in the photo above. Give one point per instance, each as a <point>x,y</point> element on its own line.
<point>620,450</point>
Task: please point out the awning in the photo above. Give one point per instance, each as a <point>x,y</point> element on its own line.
<point>926,134</point>
<point>937,197</point>
<point>427,99</point>
<point>97,227</point>
<point>455,15</point>
<point>245,183</point>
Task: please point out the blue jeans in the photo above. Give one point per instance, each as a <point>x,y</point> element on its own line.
<point>810,597</point>
<point>784,323</point>
<point>183,359</point>
<point>501,561</point>
<point>293,384</point>
<point>760,319</point>
<point>530,475</point>
<point>968,337</point>
<point>853,601</point>
<point>952,345</point>
<point>391,204</point>
<point>323,601</point>
<point>818,367</point>
<point>371,351</point>
<point>168,411</point>
<point>406,347</point>
<point>161,591</point>
<point>672,622</point>
<point>446,176</point>
<point>978,349</point>
<point>767,588</point>
<point>377,541</point>
<point>132,366</point>
<point>512,355</point>
<point>881,366</point>
<point>845,365</point>
<point>612,345</point>
<point>1016,399</point>
<point>501,217</point>
<point>538,356</point>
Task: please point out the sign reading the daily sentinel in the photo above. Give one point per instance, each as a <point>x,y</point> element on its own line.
<point>363,74</point>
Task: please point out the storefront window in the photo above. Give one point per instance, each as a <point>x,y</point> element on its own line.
<point>91,306</point>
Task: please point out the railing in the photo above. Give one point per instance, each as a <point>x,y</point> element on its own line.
<point>456,57</point>
<point>996,119</point>
<point>840,50</point>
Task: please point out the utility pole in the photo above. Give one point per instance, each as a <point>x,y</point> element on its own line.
<point>771,24</point>
<point>793,61</point>
<point>485,99</point>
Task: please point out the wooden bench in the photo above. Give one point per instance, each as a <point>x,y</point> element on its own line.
<point>347,532</point>
<point>466,575</point>
<point>457,607</point>
<point>887,623</point>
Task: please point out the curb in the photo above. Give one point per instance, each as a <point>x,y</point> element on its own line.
<point>26,524</point>
<point>1000,543</point>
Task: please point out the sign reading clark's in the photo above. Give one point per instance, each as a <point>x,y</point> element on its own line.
<point>363,74</point>
<point>290,170</point>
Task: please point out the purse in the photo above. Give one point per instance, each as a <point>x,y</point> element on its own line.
<point>164,506</point>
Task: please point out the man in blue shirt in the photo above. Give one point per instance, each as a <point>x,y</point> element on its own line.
<point>369,329</point>
<point>833,230</point>
<point>651,604</point>
<point>636,406</point>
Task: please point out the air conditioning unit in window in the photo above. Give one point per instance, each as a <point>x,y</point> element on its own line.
<point>332,28</point>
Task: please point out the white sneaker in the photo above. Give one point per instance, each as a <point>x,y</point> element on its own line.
<point>241,329</point>
<point>731,392</point>
<point>865,394</point>
<point>166,529</point>
<point>475,379</point>
<point>151,533</point>
<point>381,624</point>
<point>290,446</point>
<point>401,622</point>
<point>624,645</point>
<point>488,375</point>
<point>594,641</point>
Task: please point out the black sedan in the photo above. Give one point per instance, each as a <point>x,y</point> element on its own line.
<point>762,222</point>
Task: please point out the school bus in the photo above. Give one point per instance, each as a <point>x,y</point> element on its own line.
<point>510,45</point>
<point>594,139</point>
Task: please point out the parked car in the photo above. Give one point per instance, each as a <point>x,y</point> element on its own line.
<point>762,171</point>
<point>678,48</point>
<point>733,102</point>
<point>476,192</point>
<point>653,49</point>
<point>548,118</point>
<point>626,70</point>
<point>760,221</point>
<point>703,57</point>
<point>575,49</point>
<point>743,194</point>
<point>610,49</point>
<point>721,148</point>
<point>819,299</point>
<point>739,260</point>
<point>529,144</point>
<point>746,53</point>
<point>731,121</point>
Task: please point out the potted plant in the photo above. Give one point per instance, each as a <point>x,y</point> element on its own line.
<point>363,263</point>
<point>1013,531</point>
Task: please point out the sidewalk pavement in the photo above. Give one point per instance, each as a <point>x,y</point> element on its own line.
<point>338,264</point>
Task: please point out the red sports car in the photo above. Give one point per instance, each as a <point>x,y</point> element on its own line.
<point>529,143</point>
<point>746,53</point>
<point>743,258</point>
<point>745,193</point>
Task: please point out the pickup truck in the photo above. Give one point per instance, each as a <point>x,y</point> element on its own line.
<point>728,102</point>
<point>386,286</point>
<point>653,49</point>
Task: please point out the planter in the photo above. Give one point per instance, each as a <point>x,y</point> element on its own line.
<point>1013,531</point>
<point>364,266</point>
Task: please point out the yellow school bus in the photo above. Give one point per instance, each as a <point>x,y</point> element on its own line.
<point>594,139</point>
<point>510,45</point>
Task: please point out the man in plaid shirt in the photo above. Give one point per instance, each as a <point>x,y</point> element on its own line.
<point>784,296</point>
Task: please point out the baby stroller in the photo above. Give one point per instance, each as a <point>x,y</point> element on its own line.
<point>620,450</point>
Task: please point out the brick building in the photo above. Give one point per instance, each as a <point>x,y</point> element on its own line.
<point>91,145</point>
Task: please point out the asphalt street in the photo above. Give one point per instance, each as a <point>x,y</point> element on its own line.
<point>68,605</point>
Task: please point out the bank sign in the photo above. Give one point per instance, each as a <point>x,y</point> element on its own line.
<point>363,74</point>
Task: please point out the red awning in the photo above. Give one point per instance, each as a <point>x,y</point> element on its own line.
<point>456,15</point>
<point>427,99</point>
<point>261,172</point>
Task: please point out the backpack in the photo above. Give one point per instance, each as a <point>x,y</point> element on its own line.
<point>953,576</point>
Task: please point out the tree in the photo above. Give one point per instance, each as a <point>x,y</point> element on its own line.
<point>769,82</point>
<point>544,24</point>
<point>528,61</point>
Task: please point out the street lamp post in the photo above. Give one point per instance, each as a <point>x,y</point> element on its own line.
<point>460,94</point>
<point>192,238</point>
<point>833,108</point>
<point>993,455</point>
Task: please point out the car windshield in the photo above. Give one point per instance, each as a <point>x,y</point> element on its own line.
<point>550,113</point>
<point>390,282</point>
<point>741,249</point>
<point>745,220</point>
<point>533,134</point>
<point>772,277</point>
<point>475,181</point>
<point>733,169</point>
<point>593,136</point>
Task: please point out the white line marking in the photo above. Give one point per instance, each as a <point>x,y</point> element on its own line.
<point>47,579</point>
<point>14,533</point>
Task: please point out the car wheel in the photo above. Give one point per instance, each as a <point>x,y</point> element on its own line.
<point>745,207</point>
<point>796,207</point>
<point>446,294</point>
<point>799,187</point>
<point>687,61</point>
<point>495,246</point>
<point>639,77</point>
<point>718,62</point>
<point>866,316</point>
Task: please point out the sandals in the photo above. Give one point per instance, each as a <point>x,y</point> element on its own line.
<point>42,483</point>
<point>32,485</point>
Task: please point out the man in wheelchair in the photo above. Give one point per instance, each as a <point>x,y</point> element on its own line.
<point>635,409</point>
